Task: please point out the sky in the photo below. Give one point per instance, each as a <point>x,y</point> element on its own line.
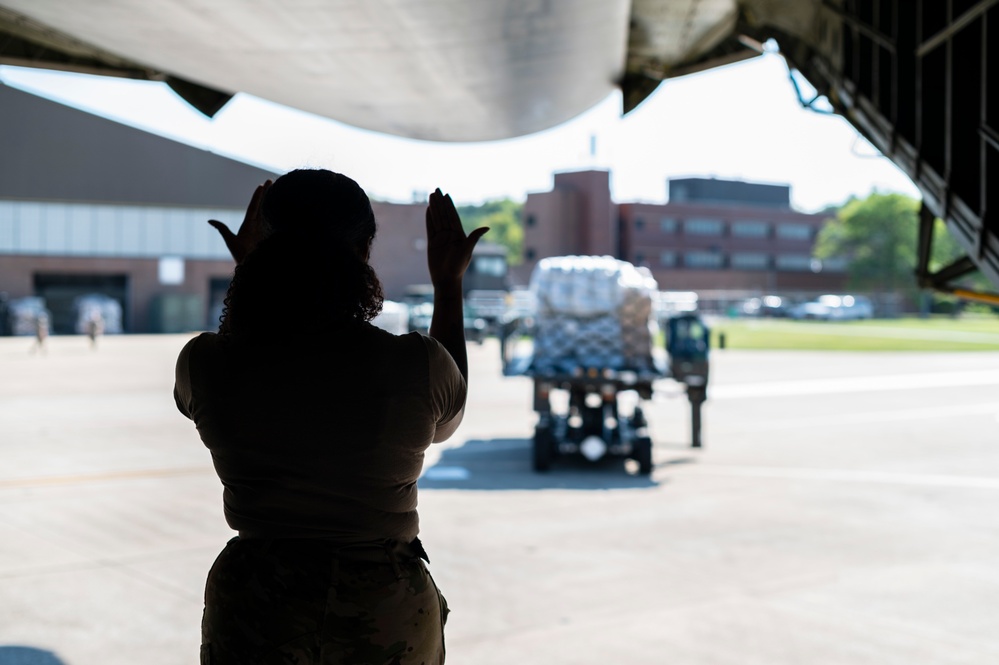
<point>741,121</point>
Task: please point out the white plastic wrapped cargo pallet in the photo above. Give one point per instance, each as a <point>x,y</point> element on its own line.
<point>593,311</point>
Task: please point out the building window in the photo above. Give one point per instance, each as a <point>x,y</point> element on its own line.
<point>748,229</point>
<point>668,225</point>
<point>639,223</point>
<point>83,229</point>
<point>667,259</point>
<point>835,264</point>
<point>796,262</point>
<point>493,266</point>
<point>792,231</point>
<point>749,261</point>
<point>703,227</point>
<point>701,259</point>
<point>531,220</point>
<point>529,254</point>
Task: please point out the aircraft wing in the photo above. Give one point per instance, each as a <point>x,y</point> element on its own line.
<point>443,70</point>
<point>913,77</point>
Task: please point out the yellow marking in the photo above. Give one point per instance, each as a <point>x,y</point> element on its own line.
<point>988,298</point>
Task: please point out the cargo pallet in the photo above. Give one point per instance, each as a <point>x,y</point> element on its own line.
<point>591,423</point>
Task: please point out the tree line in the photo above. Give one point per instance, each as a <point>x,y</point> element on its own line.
<point>877,238</point>
<point>503,219</point>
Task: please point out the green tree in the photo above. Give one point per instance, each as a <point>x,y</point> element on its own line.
<point>877,236</point>
<point>503,219</point>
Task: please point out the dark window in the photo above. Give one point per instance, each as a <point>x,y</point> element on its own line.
<point>668,225</point>
<point>750,229</point>
<point>794,231</point>
<point>702,259</point>
<point>493,266</point>
<point>794,262</point>
<point>531,220</point>
<point>749,261</point>
<point>704,227</point>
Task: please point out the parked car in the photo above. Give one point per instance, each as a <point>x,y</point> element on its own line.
<point>774,306</point>
<point>489,305</point>
<point>832,307</point>
<point>420,315</point>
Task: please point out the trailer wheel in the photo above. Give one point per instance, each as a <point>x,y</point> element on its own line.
<point>643,455</point>
<point>544,448</point>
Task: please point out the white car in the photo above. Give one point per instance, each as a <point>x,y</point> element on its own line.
<point>834,308</point>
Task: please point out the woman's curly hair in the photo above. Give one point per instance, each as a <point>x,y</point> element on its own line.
<point>312,271</point>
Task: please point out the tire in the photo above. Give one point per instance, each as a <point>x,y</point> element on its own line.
<point>544,449</point>
<point>643,455</point>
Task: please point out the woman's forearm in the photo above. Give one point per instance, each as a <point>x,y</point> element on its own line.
<point>448,323</point>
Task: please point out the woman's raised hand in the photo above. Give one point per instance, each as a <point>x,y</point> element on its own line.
<point>253,229</point>
<point>449,250</point>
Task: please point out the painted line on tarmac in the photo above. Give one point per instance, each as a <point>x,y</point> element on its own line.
<point>844,329</point>
<point>841,475</point>
<point>847,419</point>
<point>966,336</point>
<point>45,481</point>
<point>853,384</point>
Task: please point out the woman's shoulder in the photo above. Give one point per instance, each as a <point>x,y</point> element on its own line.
<point>439,359</point>
<point>409,343</point>
<point>200,344</point>
<point>415,346</point>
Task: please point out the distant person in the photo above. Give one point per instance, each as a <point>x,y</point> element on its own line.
<point>41,334</point>
<point>317,423</point>
<point>4,313</point>
<point>95,328</point>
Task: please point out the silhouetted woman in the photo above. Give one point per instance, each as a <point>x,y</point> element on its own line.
<point>317,423</point>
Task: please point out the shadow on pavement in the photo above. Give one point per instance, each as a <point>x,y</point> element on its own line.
<point>505,464</point>
<point>18,655</point>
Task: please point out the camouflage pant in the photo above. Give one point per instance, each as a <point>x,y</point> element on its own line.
<point>304,603</point>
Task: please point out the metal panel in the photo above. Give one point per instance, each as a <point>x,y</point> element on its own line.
<point>80,230</point>
<point>914,78</point>
<point>30,231</point>
<point>107,230</point>
<point>8,227</point>
<point>56,225</point>
<point>133,232</point>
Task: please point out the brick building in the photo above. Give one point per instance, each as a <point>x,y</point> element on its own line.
<point>88,205</point>
<point>711,235</point>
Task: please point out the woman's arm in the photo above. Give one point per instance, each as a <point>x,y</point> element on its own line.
<point>449,252</point>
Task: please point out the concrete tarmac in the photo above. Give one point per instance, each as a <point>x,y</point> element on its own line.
<point>841,512</point>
